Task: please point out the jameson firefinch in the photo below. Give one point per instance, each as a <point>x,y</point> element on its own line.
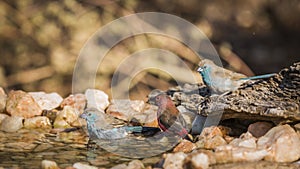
<point>168,116</point>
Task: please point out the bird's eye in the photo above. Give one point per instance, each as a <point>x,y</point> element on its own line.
<point>89,114</point>
<point>204,67</point>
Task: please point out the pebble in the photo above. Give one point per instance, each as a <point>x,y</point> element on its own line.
<point>37,122</point>
<point>46,101</point>
<point>135,164</point>
<point>282,143</point>
<point>198,161</point>
<point>185,146</point>
<point>79,165</point>
<point>2,116</point>
<point>47,164</point>
<point>211,137</point>
<point>96,99</point>
<point>77,101</point>
<point>12,124</point>
<point>174,161</point>
<point>3,98</point>
<point>259,129</point>
<point>22,104</point>
<point>246,140</point>
<point>230,153</point>
<point>65,117</point>
<point>133,109</point>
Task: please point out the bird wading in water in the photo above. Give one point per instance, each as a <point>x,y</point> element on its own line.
<point>221,80</point>
<point>168,116</point>
<point>99,128</point>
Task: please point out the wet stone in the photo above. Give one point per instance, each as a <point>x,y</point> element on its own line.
<point>47,164</point>
<point>11,124</point>
<point>65,117</point>
<point>37,122</point>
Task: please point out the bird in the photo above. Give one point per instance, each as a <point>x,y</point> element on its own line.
<point>99,128</point>
<point>168,116</point>
<point>221,80</point>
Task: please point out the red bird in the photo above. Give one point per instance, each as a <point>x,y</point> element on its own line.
<point>169,117</point>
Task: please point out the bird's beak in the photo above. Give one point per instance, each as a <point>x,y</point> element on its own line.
<point>83,115</point>
<point>200,69</point>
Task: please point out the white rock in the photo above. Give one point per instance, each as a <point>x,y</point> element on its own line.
<point>282,143</point>
<point>3,98</point>
<point>83,166</point>
<point>200,160</point>
<point>37,122</point>
<point>12,123</point>
<point>96,99</point>
<point>135,164</point>
<point>2,117</point>
<point>230,153</point>
<point>65,117</point>
<point>174,161</point>
<point>245,140</point>
<point>47,101</point>
<point>47,164</point>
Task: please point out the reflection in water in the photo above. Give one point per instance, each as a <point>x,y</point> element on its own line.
<point>27,148</point>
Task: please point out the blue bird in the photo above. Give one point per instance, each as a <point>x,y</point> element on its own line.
<point>221,80</point>
<point>99,128</point>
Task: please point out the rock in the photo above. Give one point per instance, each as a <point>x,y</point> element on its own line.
<point>297,126</point>
<point>96,99</point>
<point>185,146</point>
<point>211,137</point>
<point>282,143</point>
<point>2,117</point>
<point>197,161</point>
<point>259,129</point>
<point>83,166</point>
<point>135,164</point>
<point>3,98</point>
<point>65,117</point>
<point>230,153</point>
<point>46,101</point>
<point>77,101</point>
<point>12,124</point>
<point>47,164</point>
<point>246,140</point>
<point>119,166</point>
<point>133,109</point>
<point>174,161</point>
<point>37,122</point>
<point>22,104</point>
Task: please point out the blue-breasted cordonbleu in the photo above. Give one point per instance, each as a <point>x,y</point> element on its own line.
<point>98,128</point>
<point>221,80</point>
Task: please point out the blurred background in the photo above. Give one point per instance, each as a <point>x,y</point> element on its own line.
<point>40,40</point>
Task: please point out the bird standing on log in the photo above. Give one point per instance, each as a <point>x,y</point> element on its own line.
<point>221,80</point>
<point>168,116</point>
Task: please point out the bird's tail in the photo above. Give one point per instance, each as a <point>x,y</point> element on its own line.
<point>141,129</point>
<point>259,77</point>
<point>134,129</point>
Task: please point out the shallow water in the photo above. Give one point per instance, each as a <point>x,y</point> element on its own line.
<point>27,148</point>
